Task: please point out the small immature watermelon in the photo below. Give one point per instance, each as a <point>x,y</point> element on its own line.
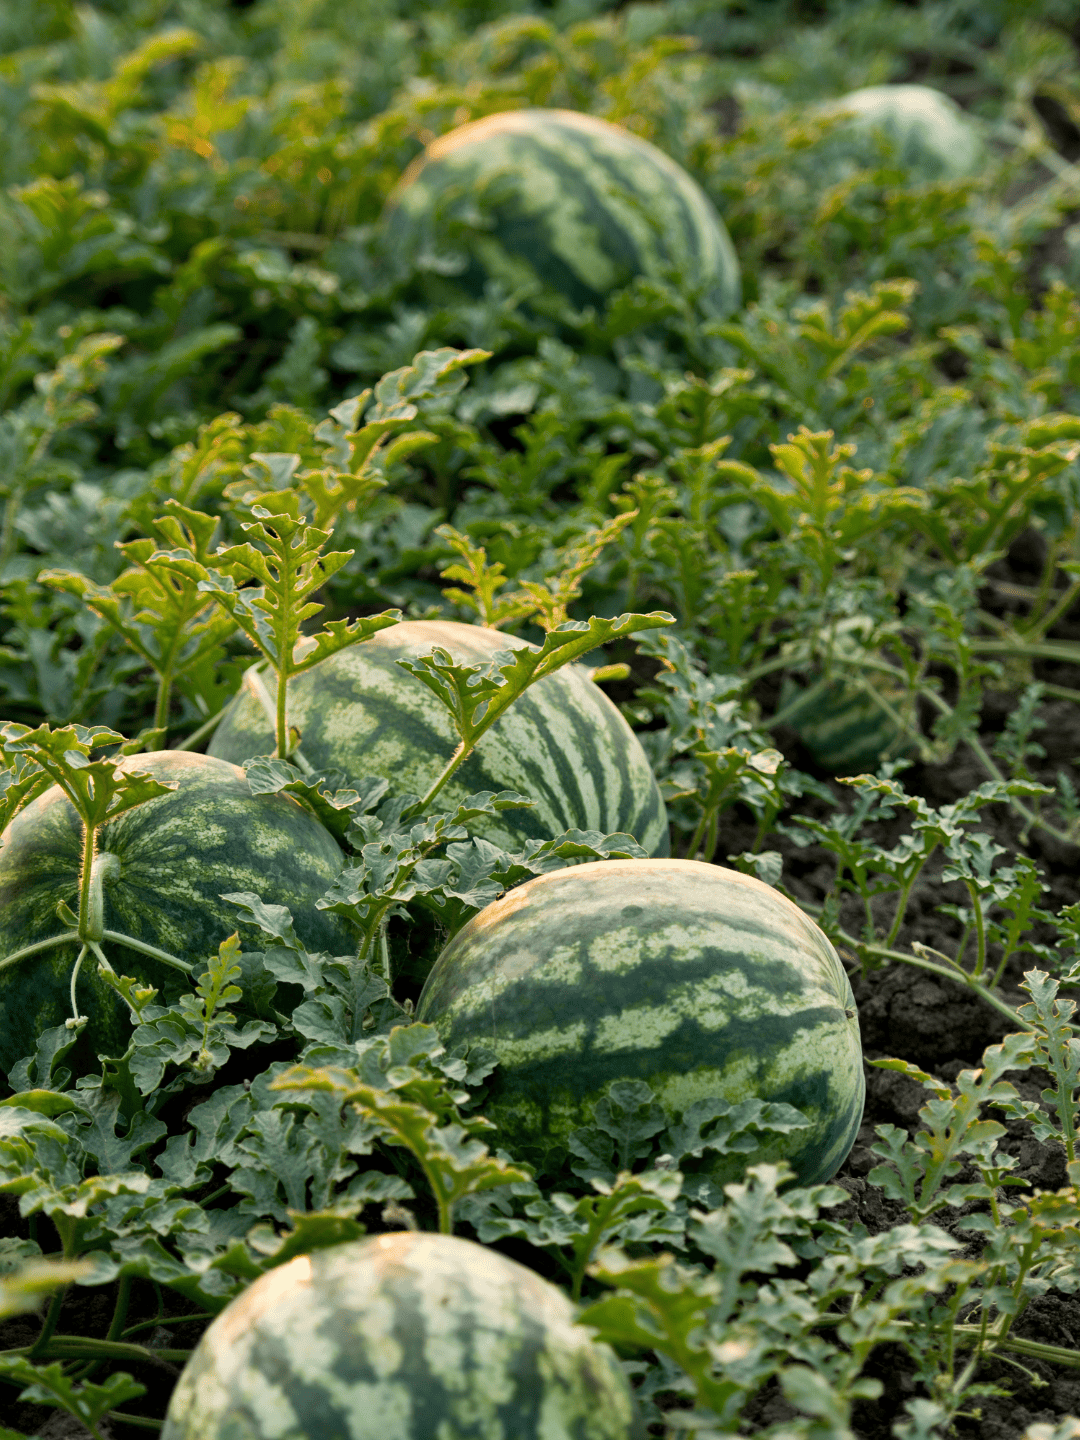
<point>573,201</point>
<point>563,743</point>
<point>175,857</point>
<point>403,1337</point>
<point>930,132</point>
<point>700,981</point>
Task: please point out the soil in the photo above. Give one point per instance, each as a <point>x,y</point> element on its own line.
<point>934,1023</point>
<point>943,1028</point>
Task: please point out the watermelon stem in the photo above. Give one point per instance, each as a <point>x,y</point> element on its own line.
<point>86,880</point>
<point>205,730</point>
<point>950,971</point>
<point>144,949</point>
<point>460,755</point>
<point>77,1020</point>
<point>27,950</point>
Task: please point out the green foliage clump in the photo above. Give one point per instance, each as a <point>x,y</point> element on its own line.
<point>777,538</point>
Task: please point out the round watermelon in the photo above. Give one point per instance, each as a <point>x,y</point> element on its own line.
<point>403,1337</point>
<point>928,130</point>
<point>579,204</point>
<point>563,743</point>
<point>700,981</point>
<point>843,727</point>
<point>176,856</point>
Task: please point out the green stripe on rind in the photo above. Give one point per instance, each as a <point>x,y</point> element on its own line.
<point>702,982</point>
<point>404,1337</point>
<point>178,855</point>
<point>563,743</point>
<point>582,204</point>
<point>844,729</point>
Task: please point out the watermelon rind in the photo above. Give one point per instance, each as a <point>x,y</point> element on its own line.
<point>700,981</point>
<point>563,743</point>
<point>405,1336</point>
<point>178,854</point>
<point>569,200</point>
<point>845,729</point>
<point>931,134</point>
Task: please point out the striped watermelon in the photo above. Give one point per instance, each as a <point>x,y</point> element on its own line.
<point>403,1337</point>
<point>575,202</point>
<point>843,727</point>
<point>177,855</point>
<point>700,981</point>
<point>563,743</point>
<point>930,132</point>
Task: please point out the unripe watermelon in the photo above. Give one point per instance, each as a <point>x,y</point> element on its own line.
<point>930,132</point>
<point>700,981</point>
<point>403,1337</point>
<point>573,201</point>
<point>176,856</point>
<point>563,743</point>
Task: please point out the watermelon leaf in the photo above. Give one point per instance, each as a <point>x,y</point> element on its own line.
<point>265,585</point>
<point>475,696</point>
<point>160,614</point>
<point>414,1109</point>
<point>86,1402</point>
<point>23,1286</point>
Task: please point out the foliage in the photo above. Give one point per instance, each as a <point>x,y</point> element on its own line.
<point>227,410</point>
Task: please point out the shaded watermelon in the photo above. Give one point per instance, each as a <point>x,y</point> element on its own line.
<point>573,201</point>
<point>927,130</point>
<point>402,1337</point>
<point>842,725</point>
<point>563,743</point>
<point>176,856</point>
<point>700,981</point>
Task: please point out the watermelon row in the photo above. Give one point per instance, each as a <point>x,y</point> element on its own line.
<point>700,981</point>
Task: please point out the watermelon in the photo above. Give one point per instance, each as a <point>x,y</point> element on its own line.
<point>176,855</point>
<point>700,981</point>
<point>563,743</point>
<point>402,1337</point>
<point>928,130</point>
<point>571,201</point>
<point>843,727</point>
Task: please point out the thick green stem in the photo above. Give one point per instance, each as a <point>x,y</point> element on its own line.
<point>282,717</point>
<point>206,729</point>
<point>141,1422</point>
<point>48,1328</point>
<point>82,1347</point>
<point>151,950</point>
<point>120,1309</point>
<point>105,867</point>
<point>962,977</point>
<point>696,838</point>
<point>980,929</point>
<point>86,878</point>
<point>28,950</point>
<point>460,755</point>
<point>902,904</point>
<point>164,697</point>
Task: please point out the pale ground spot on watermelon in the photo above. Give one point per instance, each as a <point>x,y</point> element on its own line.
<point>401,1346</point>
